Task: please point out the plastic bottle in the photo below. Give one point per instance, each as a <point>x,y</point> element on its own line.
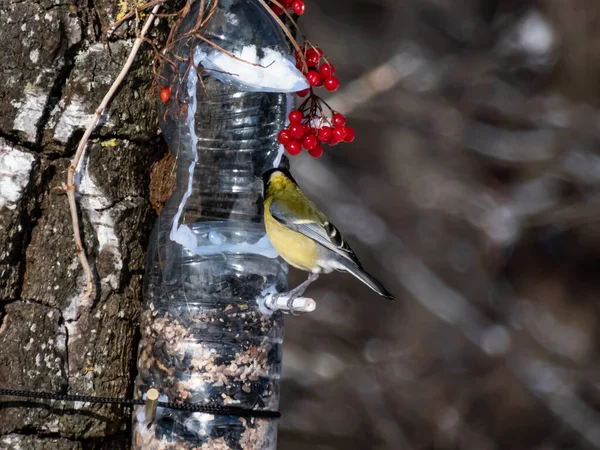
<point>204,338</point>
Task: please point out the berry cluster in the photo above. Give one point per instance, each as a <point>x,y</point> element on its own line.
<point>317,76</point>
<point>296,6</point>
<point>310,127</point>
<point>308,131</point>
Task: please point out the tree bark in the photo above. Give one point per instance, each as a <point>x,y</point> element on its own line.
<point>53,75</point>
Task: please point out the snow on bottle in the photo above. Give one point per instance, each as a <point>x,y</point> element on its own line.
<point>205,337</point>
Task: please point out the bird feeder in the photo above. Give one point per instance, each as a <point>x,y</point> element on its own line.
<point>208,333</point>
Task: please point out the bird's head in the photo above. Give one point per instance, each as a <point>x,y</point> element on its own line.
<point>277,179</point>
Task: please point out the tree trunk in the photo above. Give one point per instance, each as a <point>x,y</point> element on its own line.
<point>53,75</point>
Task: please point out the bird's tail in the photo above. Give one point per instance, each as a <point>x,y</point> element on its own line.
<point>367,279</point>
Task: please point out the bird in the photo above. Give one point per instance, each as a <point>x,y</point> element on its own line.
<point>304,237</point>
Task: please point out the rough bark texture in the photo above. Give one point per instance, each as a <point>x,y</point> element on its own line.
<point>53,75</point>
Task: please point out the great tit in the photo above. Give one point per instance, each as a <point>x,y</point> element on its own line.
<point>304,237</point>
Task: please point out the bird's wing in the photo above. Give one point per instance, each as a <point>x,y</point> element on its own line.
<point>312,223</point>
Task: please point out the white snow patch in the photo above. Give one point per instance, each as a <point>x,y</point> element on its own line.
<point>215,238</point>
<point>94,201</point>
<point>30,111</point>
<point>15,169</point>
<point>186,237</point>
<point>71,313</point>
<point>273,72</point>
<point>73,117</point>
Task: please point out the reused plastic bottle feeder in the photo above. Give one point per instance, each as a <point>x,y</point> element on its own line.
<point>205,337</point>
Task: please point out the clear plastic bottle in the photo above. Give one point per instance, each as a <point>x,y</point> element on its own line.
<point>204,338</point>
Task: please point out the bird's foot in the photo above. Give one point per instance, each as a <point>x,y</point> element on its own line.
<point>292,302</point>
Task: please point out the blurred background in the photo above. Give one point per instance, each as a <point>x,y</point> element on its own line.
<point>472,193</point>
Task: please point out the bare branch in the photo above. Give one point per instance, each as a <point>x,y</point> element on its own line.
<point>81,150</point>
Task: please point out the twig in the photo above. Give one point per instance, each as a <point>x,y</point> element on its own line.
<point>129,15</point>
<point>289,16</point>
<point>285,30</point>
<point>81,150</point>
<point>221,49</point>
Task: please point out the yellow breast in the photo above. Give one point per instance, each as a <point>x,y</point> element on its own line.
<point>295,248</point>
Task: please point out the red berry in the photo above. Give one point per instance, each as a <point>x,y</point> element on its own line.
<point>339,133</point>
<point>165,94</point>
<point>324,134</point>
<point>293,147</point>
<point>350,134</point>
<point>298,7</point>
<point>338,120</point>
<point>284,137</point>
<point>295,116</point>
<point>286,3</point>
<point>303,92</point>
<point>313,77</point>
<point>309,142</point>
<point>333,141</point>
<point>276,9</point>
<point>316,152</point>
<point>331,84</point>
<point>326,70</point>
<point>296,131</point>
<point>312,57</point>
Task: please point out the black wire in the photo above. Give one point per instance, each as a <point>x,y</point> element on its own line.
<point>217,410</point>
